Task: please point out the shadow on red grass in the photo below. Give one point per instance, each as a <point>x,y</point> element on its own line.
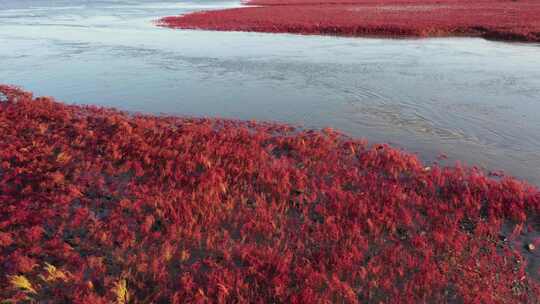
<point>98,206</point>
<point>510,20</point>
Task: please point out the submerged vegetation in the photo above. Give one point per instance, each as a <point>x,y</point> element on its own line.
<point>513,20</point>
<point>101,206</point>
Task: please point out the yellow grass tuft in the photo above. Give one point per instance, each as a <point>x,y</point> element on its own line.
<point>184,255</point>
<point>21,282</point>
<point>63,157</point>
<point>53,274</point>
<point>122,294</point>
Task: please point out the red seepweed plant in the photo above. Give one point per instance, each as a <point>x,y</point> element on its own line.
<point>101,206</point>
<point>511,20</point>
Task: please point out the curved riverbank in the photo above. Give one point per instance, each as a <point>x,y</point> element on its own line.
<point>98,205</point>
<point>490,19</point>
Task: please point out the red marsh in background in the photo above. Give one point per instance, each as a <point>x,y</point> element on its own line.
<point>512,20</point>
<point>100,206</point>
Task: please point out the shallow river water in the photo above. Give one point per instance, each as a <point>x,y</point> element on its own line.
<point>474,100</point>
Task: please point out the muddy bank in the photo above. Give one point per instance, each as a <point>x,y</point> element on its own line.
<point>490,19</point>
<point>98,205</point>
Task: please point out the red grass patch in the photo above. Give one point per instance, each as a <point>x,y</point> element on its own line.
<point>516,20</point>
<point>99,206</point>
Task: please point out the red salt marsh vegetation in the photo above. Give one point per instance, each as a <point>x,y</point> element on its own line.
<point>101,206</point>
<point>511,20</point>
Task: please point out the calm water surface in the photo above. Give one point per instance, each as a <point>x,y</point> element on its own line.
<point>475,100</point>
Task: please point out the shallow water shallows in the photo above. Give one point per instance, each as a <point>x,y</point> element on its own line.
<point>472,99</point>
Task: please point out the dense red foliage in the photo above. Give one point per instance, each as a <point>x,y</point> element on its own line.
<point>98,206</point>
<point>516,20</point>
